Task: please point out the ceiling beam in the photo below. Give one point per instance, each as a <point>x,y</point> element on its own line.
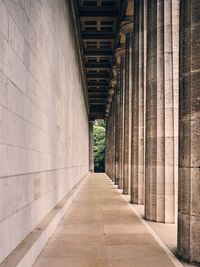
<point>98,52</point>
<point>97,83</point>
<point>92,99</point>
<point>98,75</point>
<point>93,96</point>
<point>98,65</point>
<point>97,90</point>
<point>98,12</point>
<point>98,35</point>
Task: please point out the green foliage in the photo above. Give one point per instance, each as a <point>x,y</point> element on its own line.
<point>99,145</point>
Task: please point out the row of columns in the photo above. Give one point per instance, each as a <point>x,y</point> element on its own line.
<point>153,108</point>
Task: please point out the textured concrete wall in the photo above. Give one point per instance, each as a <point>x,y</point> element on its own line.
<point>43,116</point>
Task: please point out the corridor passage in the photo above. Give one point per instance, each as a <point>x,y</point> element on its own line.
<point>100,230</point>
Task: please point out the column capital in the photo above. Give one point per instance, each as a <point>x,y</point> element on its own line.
<point>119,55</point>
<point>126,27</point>
<point>116,70</point>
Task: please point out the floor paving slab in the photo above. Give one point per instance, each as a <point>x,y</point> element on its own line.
<point>101,230</point>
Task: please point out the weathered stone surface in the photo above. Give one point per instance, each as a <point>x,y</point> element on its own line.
<point>138,94</point>
<point>127,113</point>
<point>122,89</point>
<point>189,121</point>
<point>117,129</point>
<point>91,148</point>
<point>161,111</point>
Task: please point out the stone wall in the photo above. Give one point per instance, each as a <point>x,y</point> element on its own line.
<point>43,115</point>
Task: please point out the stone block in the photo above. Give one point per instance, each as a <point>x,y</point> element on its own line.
<point>16,39</point>
<point>194,191</point>
<point>184,235</point>
<point>1,52</point>
<point>13,160</point>
<point>5,242</point>
<point>184,190</point>
<point>15,229</point>
<point>15,99</point>
<point>13,128</point>
<point>9,196</point>
<point>3,89</point>
<point>26,220</point>
<point>1,200</point>
<point>24,188</point>
<point>3,162</point>
<point>13,67</point>
<point>4,20</point>
<point>195,238</point>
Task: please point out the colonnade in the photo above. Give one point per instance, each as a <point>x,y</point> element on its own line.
<point>154,105</point>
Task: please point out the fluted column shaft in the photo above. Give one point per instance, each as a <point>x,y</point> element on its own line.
<point>139,79</point>
<point>160,157</point>
<point>127,114</point>
<point>106,149</point>
<point>117,129</point>
<point>189,133</point>
<point>121,123</point>
<point>91,147</point>
<point>108,146</point>
<point>112,142</point>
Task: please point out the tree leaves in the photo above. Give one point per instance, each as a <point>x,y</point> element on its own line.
<point>99,133</point>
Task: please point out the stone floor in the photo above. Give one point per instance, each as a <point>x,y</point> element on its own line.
<point>167,233</point>
<point>102,230</point>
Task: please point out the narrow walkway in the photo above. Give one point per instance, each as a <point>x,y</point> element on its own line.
<point>101,230</point>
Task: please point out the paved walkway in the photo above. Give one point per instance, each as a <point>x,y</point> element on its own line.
<point>101,230</point>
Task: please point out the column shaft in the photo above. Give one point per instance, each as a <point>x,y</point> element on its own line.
<point>127,114</point>
<point>91,147</point>
<point>160,157</point>
<point>139,80</point>
<point>117,129</point>
<point>109,144</point>
<point>189,132</point>
<point>112,143</point>
<point>122,90</point>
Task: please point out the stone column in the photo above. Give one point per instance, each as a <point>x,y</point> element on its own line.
<point>160,158</point>
<point>121,124</point>
<point>114,134</point>
<point>127,28</point>
<point>117,123</point>
<point>120,64</point>
<point>91,147</point>
<point>175,34</point>
<point>107,148</point>
<point>109,143</point>
<point>113,138</point>
<point>189,132</point>
<point>139,81</point>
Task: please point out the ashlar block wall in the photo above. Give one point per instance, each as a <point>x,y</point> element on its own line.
<point>43,115</point>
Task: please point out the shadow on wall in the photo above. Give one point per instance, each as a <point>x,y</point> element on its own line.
<point>99,132</point>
